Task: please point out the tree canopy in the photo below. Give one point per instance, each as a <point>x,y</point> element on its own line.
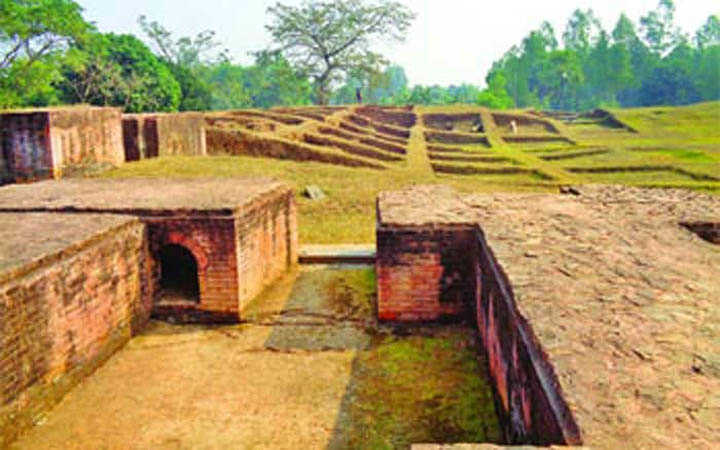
<point>330,40</point>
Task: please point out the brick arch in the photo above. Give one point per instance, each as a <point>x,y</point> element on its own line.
<point>190,244</point>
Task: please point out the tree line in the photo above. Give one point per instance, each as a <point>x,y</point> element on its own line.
<point>650,63</point>
<point>322,53</point>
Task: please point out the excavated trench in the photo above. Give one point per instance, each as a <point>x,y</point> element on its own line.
<point>309,367</point>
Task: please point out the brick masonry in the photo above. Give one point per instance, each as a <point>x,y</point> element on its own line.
<point>63,314</point>
<point>437,266</point>
<point>151,135</point>
<point>48,143</point>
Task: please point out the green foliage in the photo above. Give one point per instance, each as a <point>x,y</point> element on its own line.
<point>118,70</point>
<point>331,41</point>
<point>33,37</point>
<point>600,69</point>
<point>495,96</point>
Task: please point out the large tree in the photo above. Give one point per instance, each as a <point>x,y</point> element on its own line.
<point>34,34</point>
<point>119,70</point>
<point>330,40</point>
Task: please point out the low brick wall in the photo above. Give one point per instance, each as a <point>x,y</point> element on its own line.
<point>63,315</point>
<point>48,143</point>
<point>424,273</point>
<point>528,398</point>
<point>150,135</point>
<point>433,273</point>
<point>267,243</point>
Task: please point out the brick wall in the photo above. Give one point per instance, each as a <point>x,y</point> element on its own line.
<point>212,242</point>
<point>427,273</point>
<point>151,135</point>
<point>424,273</point>
<point>25,145</point>
<point>267,242</point>
<point>528,398</point>
<point>61,319</point>
<point>42,144</point>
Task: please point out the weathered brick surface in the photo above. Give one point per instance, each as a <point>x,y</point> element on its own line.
<point>151,135</point>
<point>594,310</point>
<point>46,143</point>
<point>267,243</point>
<point>424,274</point>
<point>64,312</point>
<point>242,233</point>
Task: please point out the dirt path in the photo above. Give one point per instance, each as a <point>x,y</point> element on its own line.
<point>310,370</point>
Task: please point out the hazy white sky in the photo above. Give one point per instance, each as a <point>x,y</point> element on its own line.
<point>451,42</point>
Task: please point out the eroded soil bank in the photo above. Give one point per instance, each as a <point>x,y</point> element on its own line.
<point>309,369</point>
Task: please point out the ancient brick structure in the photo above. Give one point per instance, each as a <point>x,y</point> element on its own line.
<point>156,134</point>
<point>240,234</point>
<point>94,259</point>
<point>46,143</point>
<point>72,291</point>
<point>574,298</point>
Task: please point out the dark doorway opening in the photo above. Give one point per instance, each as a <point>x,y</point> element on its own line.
<point>179,274</point>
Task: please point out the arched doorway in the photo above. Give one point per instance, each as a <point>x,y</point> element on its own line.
<point>179,274</point>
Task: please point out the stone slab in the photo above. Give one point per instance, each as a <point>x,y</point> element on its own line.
<point>133,195</point>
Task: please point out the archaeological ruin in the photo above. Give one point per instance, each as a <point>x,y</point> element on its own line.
<point>595,307</point>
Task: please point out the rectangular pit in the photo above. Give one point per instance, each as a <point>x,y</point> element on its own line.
<point>73,290</point>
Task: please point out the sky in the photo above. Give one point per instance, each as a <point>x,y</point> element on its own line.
<point>450,42</point>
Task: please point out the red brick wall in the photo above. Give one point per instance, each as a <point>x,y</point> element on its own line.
<point>43,144</point>
<point>237,256</point>
<point>424,274</point>
<point>267,242</point>
<point>429,273</point>
<point>61,320</point>
<point>85,136</point>
<point>151,135</point>
<point>212,243</point>
<point>25,146</point>
<point>528,398</point>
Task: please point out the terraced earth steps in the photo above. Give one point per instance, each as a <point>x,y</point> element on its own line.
<point>466,157</point>
<point>444,137</point>
<point>364,139</point>
<point>243,142</point>
<point>371,132</point>
<point>351,147</point>
<point>464,123</point>
<point>558,156</point>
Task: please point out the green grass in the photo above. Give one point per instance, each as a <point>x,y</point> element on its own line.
<point>414,389</point>
<point>686,138</point>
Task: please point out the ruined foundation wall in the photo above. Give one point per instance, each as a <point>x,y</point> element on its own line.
<point>528,398</point>
<point>424,273</point>
<point>25,147</point>
<point>85,136</point>
<point>62,318</point>
<point>151,135</point>
<point>267,242</point>
<point>42,144</point>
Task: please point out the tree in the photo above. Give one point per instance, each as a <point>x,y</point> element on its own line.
<point>582,31</point>
<point>33,36</point>
<point>495,96</point>
<point>659,31</point>
<point>328,41</point>
<point>186,57</point>
<point>119,70</point>
<point>709,34</point>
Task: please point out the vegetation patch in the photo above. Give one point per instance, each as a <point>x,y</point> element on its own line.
<point>415,389</point>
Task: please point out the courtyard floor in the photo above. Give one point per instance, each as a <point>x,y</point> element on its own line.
<point>309,368</point>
